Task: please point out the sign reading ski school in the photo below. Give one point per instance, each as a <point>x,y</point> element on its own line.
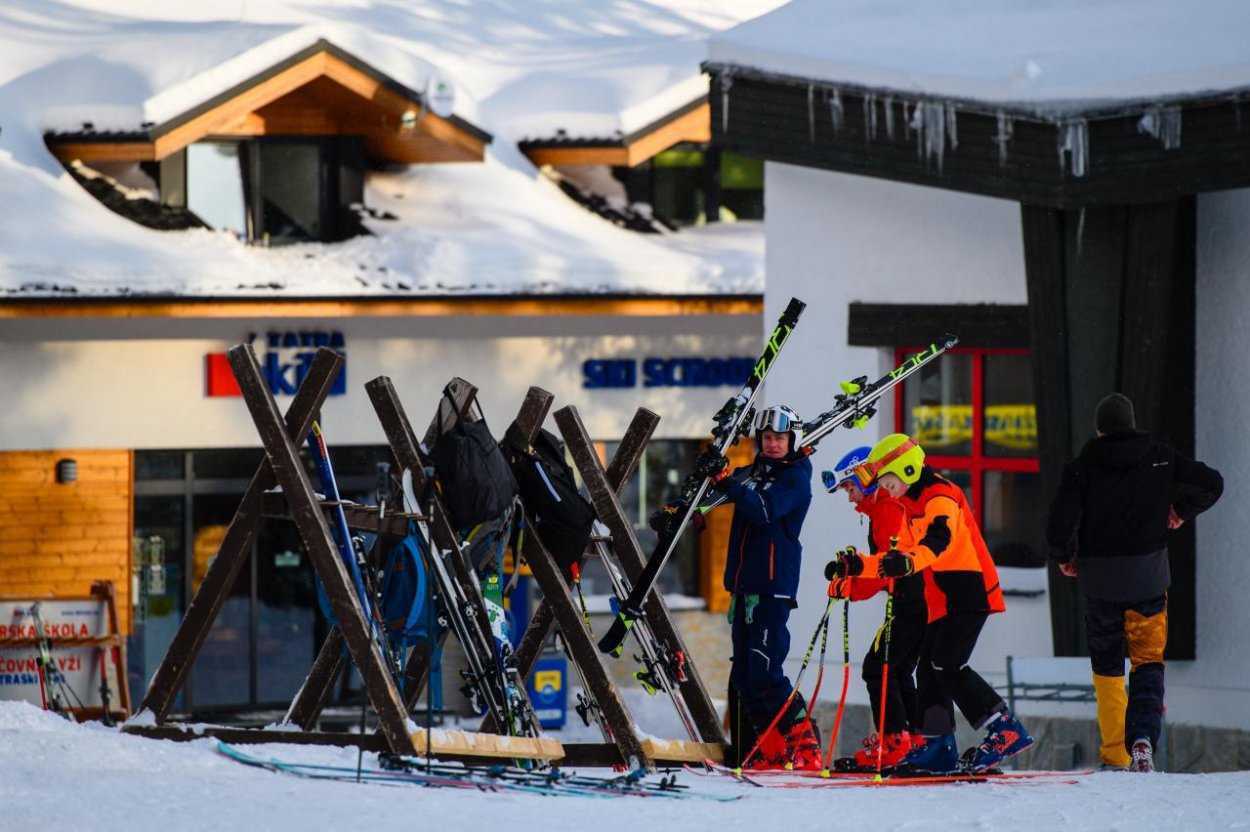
<point>284,362</point>
<point>601,373</point>
<point>79,666</point>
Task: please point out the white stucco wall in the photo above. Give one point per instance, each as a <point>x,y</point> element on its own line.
<point>1216,687</point>
<point>833,239</point>
<point>141,383</point>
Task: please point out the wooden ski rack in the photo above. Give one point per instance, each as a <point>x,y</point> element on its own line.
<point>282,467</point>
<point>627,746</point>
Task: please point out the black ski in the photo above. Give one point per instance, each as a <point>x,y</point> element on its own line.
<point>729,421</point>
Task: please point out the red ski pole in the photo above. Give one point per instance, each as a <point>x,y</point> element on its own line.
<point>846,673</point>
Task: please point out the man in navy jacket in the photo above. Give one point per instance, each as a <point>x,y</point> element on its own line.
<point>770,498</point>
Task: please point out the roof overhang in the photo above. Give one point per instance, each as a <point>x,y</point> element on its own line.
<point>1063,156</point>
<point>691,123</point>
<point>321,90</point>
<point>609,305</point>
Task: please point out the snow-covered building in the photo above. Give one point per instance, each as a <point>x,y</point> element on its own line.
<point>511,193</point>
<point>1063,185</point>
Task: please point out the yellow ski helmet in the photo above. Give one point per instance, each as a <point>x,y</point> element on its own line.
<point>896,454</point>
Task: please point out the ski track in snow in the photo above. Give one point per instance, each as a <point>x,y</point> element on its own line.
<point>62,776</point>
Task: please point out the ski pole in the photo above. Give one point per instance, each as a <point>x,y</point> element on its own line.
<point>821,626</point>
<point>846,673</point>
<point>885,663</point>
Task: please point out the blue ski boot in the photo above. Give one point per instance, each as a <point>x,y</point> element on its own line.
<point>938,755</point>
<point>1005,737</point>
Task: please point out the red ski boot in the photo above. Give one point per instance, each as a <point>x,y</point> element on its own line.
<point>803,747</point>
<point>892,750</point>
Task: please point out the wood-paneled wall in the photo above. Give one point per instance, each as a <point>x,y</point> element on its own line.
<point>57,539</point>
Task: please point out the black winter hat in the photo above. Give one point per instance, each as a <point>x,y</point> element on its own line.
<point>1114,414</point>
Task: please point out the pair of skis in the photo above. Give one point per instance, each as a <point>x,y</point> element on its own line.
<point>853,407</point>
<point>779,779</point>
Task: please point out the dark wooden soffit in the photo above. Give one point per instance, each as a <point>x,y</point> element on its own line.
<point>898,325</point>
<point>1134,152</point>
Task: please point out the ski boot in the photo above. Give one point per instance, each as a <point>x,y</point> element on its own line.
<point>892,749</point>
<point>770,755</point>
<point>1143,755</point>
<point>1005,737</point>
<point>938,755</point>
<point>803,747</point>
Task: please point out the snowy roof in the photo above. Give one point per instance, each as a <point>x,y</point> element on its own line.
<point>535,69</point>
<point>1054,55</point>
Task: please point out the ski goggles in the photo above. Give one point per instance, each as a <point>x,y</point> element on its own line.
<point>866,472</point>
<point>776,420</point>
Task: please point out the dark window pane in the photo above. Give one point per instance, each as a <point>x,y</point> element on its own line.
<point>222,671</point>
<point>937,405</point>
<point>158,557</point>
<point>286,620</point>
<point>1010,421</point>
<point>160,465</point>
<point>1014,522</point>
<point>227,463</point>
<point>291,191</point>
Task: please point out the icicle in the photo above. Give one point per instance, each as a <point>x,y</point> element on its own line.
<point>1006,130</point>
<point>811,114</point>
<point>906,120</point>
<point>835,111</point>
<point>888,104</point>
<point>1074,141</point>
<point>870,117</point>
<point>726,82</point>
<point>1164,123</point>
<point>1080,231</point>
<point>934,124</point>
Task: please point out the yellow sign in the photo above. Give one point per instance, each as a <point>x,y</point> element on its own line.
<point>1012,426</point>
<point>544,679</point>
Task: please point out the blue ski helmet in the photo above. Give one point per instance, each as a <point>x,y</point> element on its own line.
<point>845,470</point>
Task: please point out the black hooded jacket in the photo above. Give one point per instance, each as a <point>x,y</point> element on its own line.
<point>1111,511</point>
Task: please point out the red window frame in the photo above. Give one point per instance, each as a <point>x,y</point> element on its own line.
<point>977,462</point>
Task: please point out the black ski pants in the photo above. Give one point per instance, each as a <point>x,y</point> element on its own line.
<point>906,638</point>
<point>945,679</point>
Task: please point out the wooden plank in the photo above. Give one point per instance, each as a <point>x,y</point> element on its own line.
<point>311,699</point>
<point>684,751</point>
<point>247,736</point>
<point>284,459</point>
<point>629,554</point>
<point>235,547</point>
<point>444,742</point>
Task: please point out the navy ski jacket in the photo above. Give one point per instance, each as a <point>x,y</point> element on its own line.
<point>764,549</point>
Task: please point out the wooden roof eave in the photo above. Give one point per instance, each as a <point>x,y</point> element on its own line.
<point>691,123</point>
<point>231,112</point>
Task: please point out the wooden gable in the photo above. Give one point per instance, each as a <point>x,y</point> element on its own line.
<point>320,91</point>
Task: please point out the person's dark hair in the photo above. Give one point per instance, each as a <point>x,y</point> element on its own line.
<point>1114,414</point>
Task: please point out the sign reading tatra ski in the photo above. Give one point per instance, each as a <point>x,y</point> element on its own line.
<point>729,421</point>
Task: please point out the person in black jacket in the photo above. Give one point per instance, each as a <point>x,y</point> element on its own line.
<point>1108,527</point>
<point>770,499</point>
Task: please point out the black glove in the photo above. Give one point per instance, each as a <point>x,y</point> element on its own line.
<point>664,520</point>
<point>848,564</point>
<point>895,564</point>
<point>710,463</point>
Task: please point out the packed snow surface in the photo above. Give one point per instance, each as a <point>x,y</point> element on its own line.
<point>66,776</point>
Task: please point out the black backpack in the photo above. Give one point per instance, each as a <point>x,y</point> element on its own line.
<point>477,484</point>
<point>562,517</point>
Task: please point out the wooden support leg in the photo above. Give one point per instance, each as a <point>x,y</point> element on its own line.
<point>309,518</point>
<point>224,569</point>
<point>632,560</point>
<point>556,595</point>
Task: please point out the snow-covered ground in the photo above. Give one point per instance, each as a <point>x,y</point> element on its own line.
<point>65,776</point>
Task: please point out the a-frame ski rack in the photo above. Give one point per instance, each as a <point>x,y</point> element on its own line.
<point>627,745</point>
<point>282,466</point>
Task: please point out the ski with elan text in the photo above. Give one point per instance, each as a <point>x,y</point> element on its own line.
<point>729,421</point>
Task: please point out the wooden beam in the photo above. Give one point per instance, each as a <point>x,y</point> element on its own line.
<point>445,743</point>
<point>284,458</point>
<point>236,546</point>
<point>556,593</point>
<point>629,554</point>
<point>69,151</point>
<point>693,126</point>
<point>214,308</point>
